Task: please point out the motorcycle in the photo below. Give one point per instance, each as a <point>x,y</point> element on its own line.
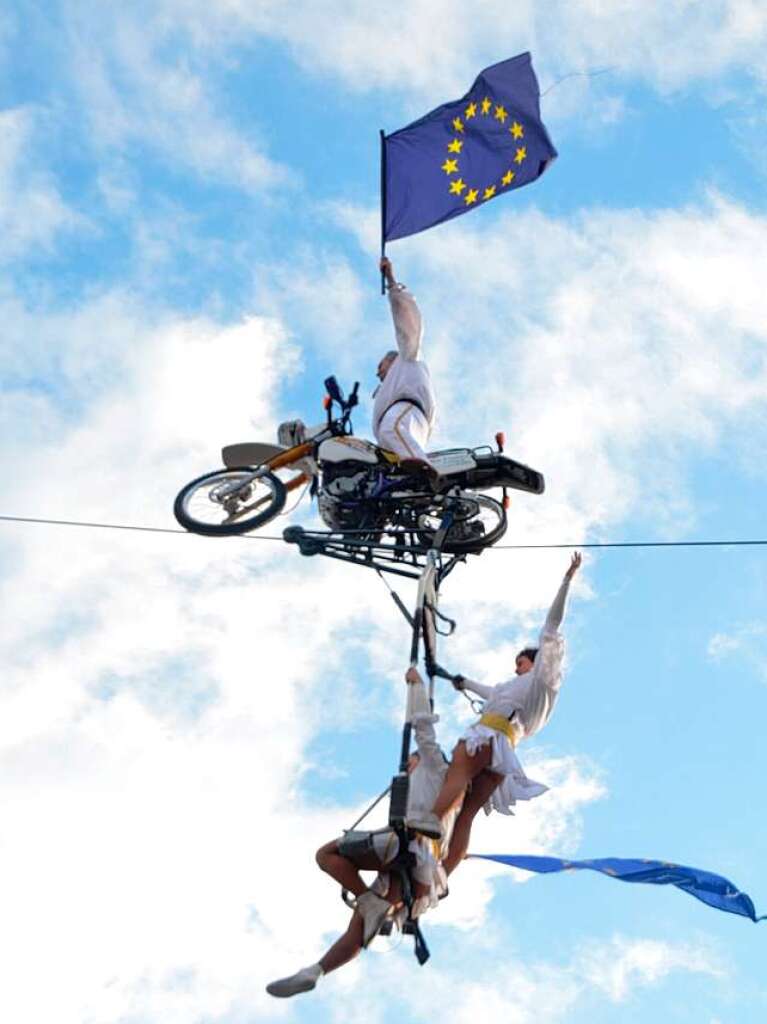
<point>362,490</point>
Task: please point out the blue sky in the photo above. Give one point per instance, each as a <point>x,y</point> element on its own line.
<point>189,215</point>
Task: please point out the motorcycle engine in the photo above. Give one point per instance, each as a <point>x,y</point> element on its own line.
<point>345,485</point>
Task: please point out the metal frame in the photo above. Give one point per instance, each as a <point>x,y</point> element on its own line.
<point>405,555</point>
<point>423,628</point>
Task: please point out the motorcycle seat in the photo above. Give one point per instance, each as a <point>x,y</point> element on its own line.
<point>235,456</point>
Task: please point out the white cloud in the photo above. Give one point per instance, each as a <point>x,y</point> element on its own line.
<point>437,57</point>
<point>33,213</point>
<point>626,964</point>
<point>747,642</point>
<point>325,301</point>
<point>136,85</point>
<point>525,990</point>
<point>721,644</point>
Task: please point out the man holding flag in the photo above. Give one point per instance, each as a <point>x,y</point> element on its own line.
<point>404,408</point>
<point>448,162</point>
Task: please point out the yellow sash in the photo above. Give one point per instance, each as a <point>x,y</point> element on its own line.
<point>500,724</point>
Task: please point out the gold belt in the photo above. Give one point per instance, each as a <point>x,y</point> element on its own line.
<point>501,724</point>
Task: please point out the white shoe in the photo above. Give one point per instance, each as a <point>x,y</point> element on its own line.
<point>427,824</point>
<point>374,912</point>
<point>304,981</point>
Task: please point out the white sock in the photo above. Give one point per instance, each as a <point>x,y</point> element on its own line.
<point>315,971</point>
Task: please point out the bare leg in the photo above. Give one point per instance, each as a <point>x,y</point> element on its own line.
<point>463,768</point>
<point>344,871</point>
<point>348,946</point>
<point>481,790</point>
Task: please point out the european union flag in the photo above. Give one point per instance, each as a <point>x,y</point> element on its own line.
<point>715,890</point>
<point>467,152</point>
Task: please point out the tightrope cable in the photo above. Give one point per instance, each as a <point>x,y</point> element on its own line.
<point>121,526</point>
<point>749,542</point>
<point>637,544</point>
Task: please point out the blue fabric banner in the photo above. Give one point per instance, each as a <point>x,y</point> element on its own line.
<point>712,889</point>
<point>466,152</point>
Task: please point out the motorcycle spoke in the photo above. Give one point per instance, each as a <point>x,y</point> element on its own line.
<point>206,507</point>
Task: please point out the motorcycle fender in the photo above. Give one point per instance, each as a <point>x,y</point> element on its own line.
<point>453,460</point>
<point>235,456</point>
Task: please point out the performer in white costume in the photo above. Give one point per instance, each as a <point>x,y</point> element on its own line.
<point>404,407</point>
<point>344,858</point>
<point>485,757</point>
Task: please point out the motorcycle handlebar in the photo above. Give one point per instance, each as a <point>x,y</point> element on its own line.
<point>335,394</point>
<point>332,388</point>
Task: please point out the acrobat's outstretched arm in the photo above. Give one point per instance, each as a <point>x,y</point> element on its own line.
<point>408,323</point>
<point>423,719</point>
<point>481,690</point>
<point>557,610</point>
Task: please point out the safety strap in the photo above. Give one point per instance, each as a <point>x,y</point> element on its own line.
<point>421,950</point>
<point>451,623</point>
<point>399,401</point>
<point>402,865</point>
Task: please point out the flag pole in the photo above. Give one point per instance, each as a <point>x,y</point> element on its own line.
<point>383,206</point>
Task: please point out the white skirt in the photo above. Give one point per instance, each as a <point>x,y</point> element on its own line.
<point>504,761</point>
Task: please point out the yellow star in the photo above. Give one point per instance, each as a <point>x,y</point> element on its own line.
<point>486,105</point>
<point>450,166</point>
<point>517,131</point>
<point>455,146</point>
<point>471,196</point>
<point>457,186</point>
<point>508,178</point>
<point>489,192</point>
<point>471,110</point>
<point>458,124</point>
<point>500,113</point>
<point>521,154</point>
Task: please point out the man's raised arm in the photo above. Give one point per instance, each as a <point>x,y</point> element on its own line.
<point>408,324</point>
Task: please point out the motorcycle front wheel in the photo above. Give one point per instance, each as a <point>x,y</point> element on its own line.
<point>480,523</point>
<point>214,506</point>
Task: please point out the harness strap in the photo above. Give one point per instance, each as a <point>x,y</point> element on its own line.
<point>451,623</point>
<point>410,401</point>
<point>402,866</point>
<point>421,950</point>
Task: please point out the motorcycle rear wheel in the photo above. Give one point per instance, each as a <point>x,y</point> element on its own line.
<point>199,509</point>
<point>461,539</point>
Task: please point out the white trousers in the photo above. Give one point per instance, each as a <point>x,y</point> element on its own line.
<point>405,431</point>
